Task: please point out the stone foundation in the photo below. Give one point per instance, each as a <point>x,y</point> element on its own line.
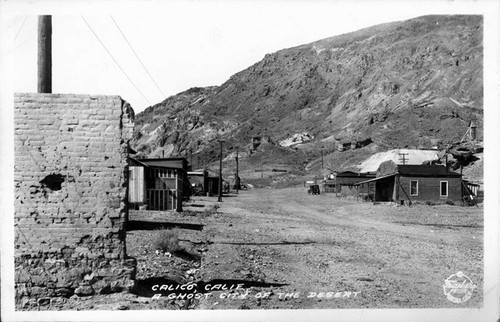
<point>70,180</point>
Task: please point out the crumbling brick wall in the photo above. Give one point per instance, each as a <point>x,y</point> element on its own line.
<point>70,196</point>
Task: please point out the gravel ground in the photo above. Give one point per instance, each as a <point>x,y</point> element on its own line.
<point>285,249</point>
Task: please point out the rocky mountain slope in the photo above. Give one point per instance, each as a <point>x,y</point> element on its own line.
<point>410,84</point>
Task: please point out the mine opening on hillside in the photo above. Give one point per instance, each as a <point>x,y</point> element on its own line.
<point>156,225</point>
<point>152,286</point>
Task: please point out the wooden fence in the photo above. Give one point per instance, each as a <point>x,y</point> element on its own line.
<point>161,199</point>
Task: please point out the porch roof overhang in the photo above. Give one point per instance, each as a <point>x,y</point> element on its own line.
<point>375,179</point>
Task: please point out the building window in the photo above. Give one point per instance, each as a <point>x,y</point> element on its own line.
<point>443,189</point>
<point>414,188</point>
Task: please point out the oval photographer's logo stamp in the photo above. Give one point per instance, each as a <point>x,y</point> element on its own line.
<point>458,288</point>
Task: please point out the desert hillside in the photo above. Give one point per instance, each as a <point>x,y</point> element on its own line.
<point>409,84</point>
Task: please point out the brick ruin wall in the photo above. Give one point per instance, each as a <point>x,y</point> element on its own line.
<point>70,197</point>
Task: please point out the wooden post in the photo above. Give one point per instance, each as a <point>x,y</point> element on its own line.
<point>237,179</point>
<point>44,54</point>
<point>191,157</point>
<point>220,173</point>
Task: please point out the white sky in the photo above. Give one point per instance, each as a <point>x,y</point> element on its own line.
<point>183,44</point>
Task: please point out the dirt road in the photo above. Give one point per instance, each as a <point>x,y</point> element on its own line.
<point>285,249</point>
<point>355,255</point>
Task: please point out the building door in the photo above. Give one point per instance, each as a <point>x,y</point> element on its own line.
<point>384,189</point>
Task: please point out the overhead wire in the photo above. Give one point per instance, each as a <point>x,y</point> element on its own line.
<point>116,62</point>
<point>137,56</point>
<point>25,18</point>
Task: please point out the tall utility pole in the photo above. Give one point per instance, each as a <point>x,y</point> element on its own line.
<point>402,157</point>
<point>220,173</point>
<point>237,179</point>
<point>191,157</point>
<point>44,54</point>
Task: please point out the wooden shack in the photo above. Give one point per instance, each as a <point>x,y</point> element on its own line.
<point>199,182</point>
<point>409,183</point>
<point>328,185</point>
<point>345,182</point>
<point>157,184</point>
<point>213,185</point>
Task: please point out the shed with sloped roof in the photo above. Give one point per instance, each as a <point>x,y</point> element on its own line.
<point>400,183</point>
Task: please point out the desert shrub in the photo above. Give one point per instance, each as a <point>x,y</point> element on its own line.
<point>450,202</point>
<point>210,211</point>
<point>430,203</point>
<point>167,240</point>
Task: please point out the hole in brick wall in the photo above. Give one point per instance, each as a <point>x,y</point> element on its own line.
<point>53,181</point>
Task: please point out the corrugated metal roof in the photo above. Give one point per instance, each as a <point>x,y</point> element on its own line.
<point>412,157</point>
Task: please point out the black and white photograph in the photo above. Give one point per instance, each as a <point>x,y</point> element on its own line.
<point>250,160</point>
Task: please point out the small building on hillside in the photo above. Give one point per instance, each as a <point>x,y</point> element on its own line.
<point>409,183</point>
<point>158,184</point>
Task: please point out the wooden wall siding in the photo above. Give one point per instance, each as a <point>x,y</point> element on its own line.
<point>213,185</point>
<point>340,182</point>
<point>429,189</point>
<point>472,188</point>
<point>161,199</point>
<point>348,191</point>
<point>163,189</point>
<point>329,188</point>
<point>163,173</point>
<point>136,187</point>
<point>167,196</point>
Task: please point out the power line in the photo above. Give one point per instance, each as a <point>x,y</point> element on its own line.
<point>137,56</point>
<point>110,55</point>
<point>25,18</point>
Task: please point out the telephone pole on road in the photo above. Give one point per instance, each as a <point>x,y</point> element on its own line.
<point>237,179</point>
<point>220,173</point>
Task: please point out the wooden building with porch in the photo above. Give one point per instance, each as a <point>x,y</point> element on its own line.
<point>409,183</point>
<point>345,182</point>
<point>157,184</point>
